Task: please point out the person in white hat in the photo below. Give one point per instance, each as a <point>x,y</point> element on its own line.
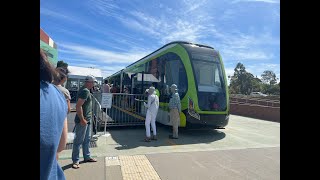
<point>82,123</point>
<point>175,109</point>
<point>152,111</point>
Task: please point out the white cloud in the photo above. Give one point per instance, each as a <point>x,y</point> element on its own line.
<point>100,55</point>
<point>257,69</point>
<point>89,39</point>
<point>186,31</point>
<point>166,25</point>
<point>48,12</point>
<point>70,18</point>
<point>255,54</point>
<point>63,16</point>
<point>168,29</point>
<point>109,70</point>
<point>243,41</point>
<point>193,21</point>
<point>76,60</point>
<point>192,5</point>
<point>228,14</point>
<point>106,70</point>
<point>105,7</point>
<point>240,46</point>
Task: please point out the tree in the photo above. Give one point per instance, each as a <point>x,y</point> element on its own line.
<point>271,89</point>
<point>62,64</point>
<point>242,81</point>
<point>256,85</point>
<point>269,77</point>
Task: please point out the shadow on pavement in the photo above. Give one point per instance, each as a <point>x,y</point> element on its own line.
<point>132,137</point>
<point>68,166</point>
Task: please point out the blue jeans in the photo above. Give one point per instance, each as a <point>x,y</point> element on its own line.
<point>82,137</point>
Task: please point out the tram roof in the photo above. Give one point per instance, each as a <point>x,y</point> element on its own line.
<point>174,42</point>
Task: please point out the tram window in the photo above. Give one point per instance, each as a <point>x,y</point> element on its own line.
<point>153,71</point>
<point>81,82</point>
<point>208,76</point>
<point>217,78</point>
<point>72,84</point>
<point>175,73</point>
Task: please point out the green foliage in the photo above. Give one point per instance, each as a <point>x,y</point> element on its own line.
<point>271,89</point>
<point>243,82</point>
<point>269,77</point>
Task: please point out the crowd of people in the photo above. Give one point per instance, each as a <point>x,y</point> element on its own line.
<point>55,106</point>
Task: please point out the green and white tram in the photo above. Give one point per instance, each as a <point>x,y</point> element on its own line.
<point>198,72</point>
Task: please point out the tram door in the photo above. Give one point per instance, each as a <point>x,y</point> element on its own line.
<point>137,83</point>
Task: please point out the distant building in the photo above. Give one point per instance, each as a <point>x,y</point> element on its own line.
<point>49,46</point>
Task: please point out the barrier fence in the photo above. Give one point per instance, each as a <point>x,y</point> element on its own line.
<point>126,110</point>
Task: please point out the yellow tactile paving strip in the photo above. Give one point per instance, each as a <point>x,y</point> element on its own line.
<point>137,167</point>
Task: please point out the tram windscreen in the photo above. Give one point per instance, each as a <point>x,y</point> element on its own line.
<point>210,82</point>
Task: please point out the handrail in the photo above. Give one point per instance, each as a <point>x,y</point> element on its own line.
<point>94,110</point>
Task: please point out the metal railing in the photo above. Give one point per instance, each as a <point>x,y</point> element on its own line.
<point>96,110</point>
<point>126,110</point>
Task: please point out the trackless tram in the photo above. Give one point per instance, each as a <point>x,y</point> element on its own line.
<point>198,72</point>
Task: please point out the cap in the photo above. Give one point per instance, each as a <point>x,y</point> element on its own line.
<point>91,78</point>
<point>151,90</point>
<point>173,86</point>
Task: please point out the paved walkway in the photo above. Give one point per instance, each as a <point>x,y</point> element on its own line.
<point>247,149</point>
<point>261,163</point>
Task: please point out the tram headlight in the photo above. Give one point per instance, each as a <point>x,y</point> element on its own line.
<point>191,110</point>
<point>190,105</point>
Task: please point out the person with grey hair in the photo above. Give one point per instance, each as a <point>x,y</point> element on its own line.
<point>152,111</point>
<point>175,109</point>
<point>82,123</point>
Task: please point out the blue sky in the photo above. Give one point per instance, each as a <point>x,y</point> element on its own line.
<point>111,34</point>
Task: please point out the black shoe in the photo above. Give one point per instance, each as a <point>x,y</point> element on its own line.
<point>171,137</point>
<point>154,138</point>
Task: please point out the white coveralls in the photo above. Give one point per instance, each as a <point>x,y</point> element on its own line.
<point>153,106</point>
